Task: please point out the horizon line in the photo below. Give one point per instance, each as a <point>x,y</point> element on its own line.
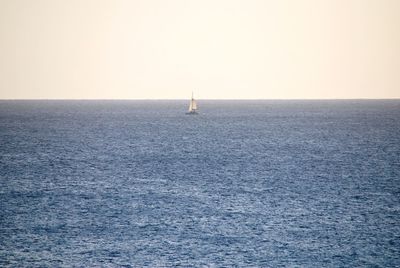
<point>176,99</point>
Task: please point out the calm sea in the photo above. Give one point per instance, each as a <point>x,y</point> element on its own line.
<point>243,184</point>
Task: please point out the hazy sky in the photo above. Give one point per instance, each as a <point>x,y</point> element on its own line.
<point>228,49</point>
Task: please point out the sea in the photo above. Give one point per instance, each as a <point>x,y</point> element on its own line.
<point>274,183</point>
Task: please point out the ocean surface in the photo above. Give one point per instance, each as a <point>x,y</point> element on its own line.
<point>243,184</point>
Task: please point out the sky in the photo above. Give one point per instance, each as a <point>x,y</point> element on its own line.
<point>220,49</point>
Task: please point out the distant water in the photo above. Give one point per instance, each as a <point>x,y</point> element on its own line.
<point>244,184</point>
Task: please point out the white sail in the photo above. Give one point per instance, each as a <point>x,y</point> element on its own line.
<point>194,104</point>
<point>191,106</point>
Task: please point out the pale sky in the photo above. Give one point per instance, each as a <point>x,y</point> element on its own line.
<point>221,49</point>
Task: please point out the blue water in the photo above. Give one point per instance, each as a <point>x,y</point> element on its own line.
<point>243,184</point>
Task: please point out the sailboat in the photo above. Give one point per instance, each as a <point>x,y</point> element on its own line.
<point>192,106</point>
